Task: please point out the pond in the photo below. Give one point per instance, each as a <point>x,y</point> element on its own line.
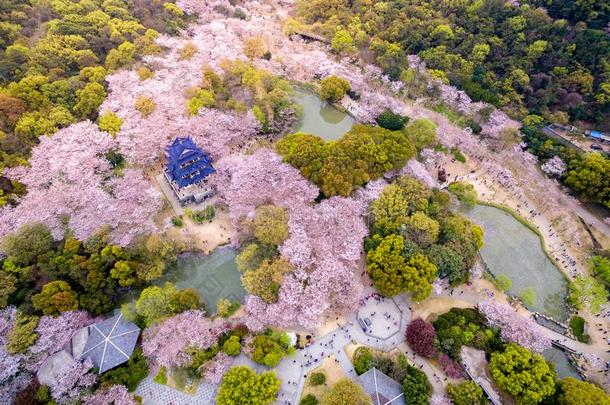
<point>516,251</point>
<point>562,364</point>
<point>321,118</point>
<point>215,276</point>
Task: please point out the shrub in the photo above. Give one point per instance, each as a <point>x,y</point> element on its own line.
<point>203,98</point>
<point>145,106</point>
<point>528,296</point>
<point>187,51</point>
<point>466,393</point>
<point>145,73</point>
<point>232,347</point>
<point>161,377</point>
<point>317,378</point>
<point>458,155</point>
<point>177,221</point>
<point>465,193</point>
<point>128,374</point>
<point>416,386</point>
<point>205,215</point>
<point>333,88</point>
<point>226,308</point>
<point>421,337</point>
<point>392,121</point>
<point>309,399</point>
<point>110,122</point>
<point>362,360</point>
<point>23,334</point>
<point>577,326</point>
<point>503,282</point>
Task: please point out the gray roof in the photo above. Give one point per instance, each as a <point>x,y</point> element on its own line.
<point>382,389</point>
<point>111,342</point>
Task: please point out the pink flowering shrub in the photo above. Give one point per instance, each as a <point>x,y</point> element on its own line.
<point>116,394</point>
<point>451,367</point>
<point>514,327</point>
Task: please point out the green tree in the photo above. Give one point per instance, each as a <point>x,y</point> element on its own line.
<point>346,392</point>
<point>55,297</point>
<point>449,263</point>
<point>522,374</point>
<point>232,346</point>
<point>123,56</point>
<point>600,267</point>
<point>266,280</point>
<point>362,359</point>
<point>528,296</point>
<point>203,98</point>
<point>587,292</point>
<point>145,106</point>
<point>156,303</point>
<point>389,210</point>
<point>342,42</point>
<point>24,245</point>
<point>110,123</point>
<point>392,273</point>
<point>421,229</point>
<point>89,99</point>
<point>416,386</point>
<point>23,333</point>
<point>8,285</point>
<point>226,308</point>
<point>271,224</point>
<point>333,88</point>
<point>465,193</point>
<point>575,392</point>
<point>466,393</point>
<point>422,133</point>
<point>390,120</point>
<point>241,385</point>
<point>591,177</point>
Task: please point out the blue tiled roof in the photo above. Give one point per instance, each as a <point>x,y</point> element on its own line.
<point>186,163</point>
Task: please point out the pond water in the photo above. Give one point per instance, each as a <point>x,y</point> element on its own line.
<point>321,118</point>
<point>514,250</point>
<point>562,364</point>
<point>215,276</point>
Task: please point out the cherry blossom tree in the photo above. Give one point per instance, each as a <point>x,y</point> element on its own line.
<point>214,369</point>
<point>68,177</point>
<point>451,367</point>
<point>116,394</point>
<point>165,344</point>
<point>66,386</point>
<point>554,166</point>
<point>514,327</point>
<point>53,334</point>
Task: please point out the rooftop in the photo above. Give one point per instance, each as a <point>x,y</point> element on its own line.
<point>382,389</point>
<point>187,164</point>
<point>111,342</point>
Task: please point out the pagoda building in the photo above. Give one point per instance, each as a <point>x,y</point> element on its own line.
<point>187,171</point>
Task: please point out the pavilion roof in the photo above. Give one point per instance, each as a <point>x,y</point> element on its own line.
<point>186,163</point>
<point>111,342</point>
<point>382,389</point>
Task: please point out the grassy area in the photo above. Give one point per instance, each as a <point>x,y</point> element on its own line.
<point>333,372</point>
<point>577,326</point>
<point>453,116</point>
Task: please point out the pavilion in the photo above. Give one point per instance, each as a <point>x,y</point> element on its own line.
<point>382,389</point>
<point>187,171</point>
<point>110,342</point>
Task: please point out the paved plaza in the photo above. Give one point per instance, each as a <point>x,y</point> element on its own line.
<point>388,317</point>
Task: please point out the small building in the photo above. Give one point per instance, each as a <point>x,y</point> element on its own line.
<point>382,389</point>
<point>187,171</point>
<point>110,342</point>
